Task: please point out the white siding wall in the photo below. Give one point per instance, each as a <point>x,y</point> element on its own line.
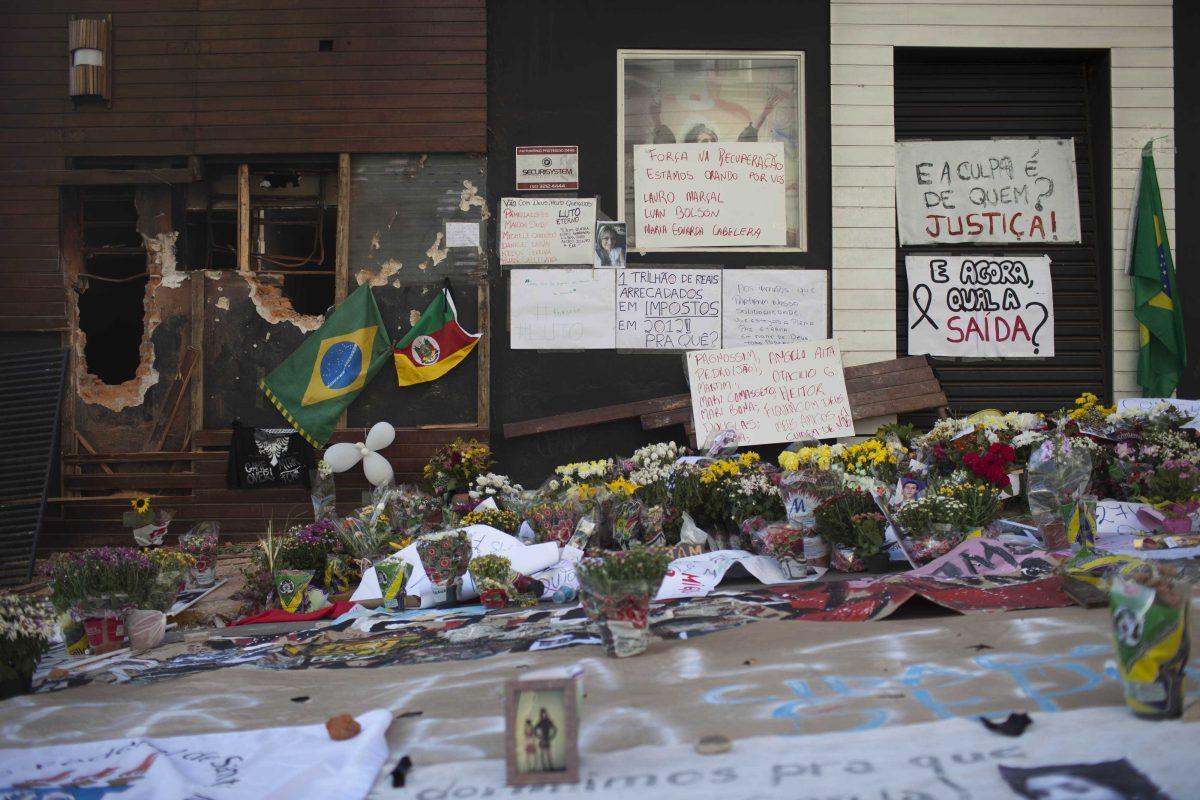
<point>1138,33</point>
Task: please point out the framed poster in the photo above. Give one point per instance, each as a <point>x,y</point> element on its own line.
<point>674,98</point>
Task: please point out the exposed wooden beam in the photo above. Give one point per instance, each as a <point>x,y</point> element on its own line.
<point>243,217</point>
<point>341,284</point>
<point>94,177</point>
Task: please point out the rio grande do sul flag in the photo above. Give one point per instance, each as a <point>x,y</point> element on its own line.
<point>435,344</point>
<point>1162,351</point>
<point>326,372</point>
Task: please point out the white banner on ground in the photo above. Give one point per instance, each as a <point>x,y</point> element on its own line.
<point>980,306</point>
<point>546,230</point>
<point>770,394</point>
<point>697,576</point>
<point>1121,757</point>
<point>985,191</point>
<point>294,763</point>
<point>773,306</point>
<point>485,541</point>
<point>709,195</point>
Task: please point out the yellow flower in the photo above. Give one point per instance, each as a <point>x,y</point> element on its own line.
<point>140,504</point>
<point>622,486</point>
<point>789,460</point>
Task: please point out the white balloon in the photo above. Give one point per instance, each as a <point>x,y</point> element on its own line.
<point>341,457</point>
<point>377,469</point>
<point>380,436</point>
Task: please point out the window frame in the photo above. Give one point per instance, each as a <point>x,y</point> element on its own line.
<point>623,55</point>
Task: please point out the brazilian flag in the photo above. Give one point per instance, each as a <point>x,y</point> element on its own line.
<point>315,384</point>
<point>1162,351</point>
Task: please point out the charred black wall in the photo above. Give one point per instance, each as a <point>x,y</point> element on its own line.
<point>552,80</point>
<point>1187,184</point>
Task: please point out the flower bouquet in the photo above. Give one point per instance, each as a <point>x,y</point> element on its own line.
<point>555,520</point>
<point>835,522</point>
<point>492,576</point>
<point>446,556</point>
<point>26,626</point>
<point>98,586</point>
<point>322,492</point>
<point>933,525</point>
<point>1058,475</point>
<point>457,465</point>
<point>980,502</point>
<point>785,543</point>
<point>149,525</point>
<point>1173,491</point>
<point>616,588</point>
<point>499,487</point>
<point>201,544</point>
<point>497,518</point>
<point>869,544</point>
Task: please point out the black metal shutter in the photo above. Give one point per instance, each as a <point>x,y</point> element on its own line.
<point>984,94</point>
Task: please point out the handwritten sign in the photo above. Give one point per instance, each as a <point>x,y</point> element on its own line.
<point>709,195</point>
<point>987,191</point>
<point>546,230</point>
<point>562,309</point>
<point>980,306</point>
<point>1186,407</point>
<point>770,394</point>
<point>773,306</point>
<point>668,308</point>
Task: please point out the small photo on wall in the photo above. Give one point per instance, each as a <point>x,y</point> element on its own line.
<point>542,731</point>
<point>610,244</point>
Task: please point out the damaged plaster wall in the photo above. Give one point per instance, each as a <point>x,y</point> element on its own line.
<point>163,275</point>
<point>266,293</point>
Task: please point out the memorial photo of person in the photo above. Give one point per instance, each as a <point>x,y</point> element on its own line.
<point>610,244</point>
<point>1106,780</point>
<point>540,731</point>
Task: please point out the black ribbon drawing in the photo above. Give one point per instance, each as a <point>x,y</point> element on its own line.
<point>923,308</point>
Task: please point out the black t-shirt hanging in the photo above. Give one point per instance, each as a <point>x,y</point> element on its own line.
<point>268,458</point>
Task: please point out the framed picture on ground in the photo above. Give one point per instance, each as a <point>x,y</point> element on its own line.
<point>541,729</point>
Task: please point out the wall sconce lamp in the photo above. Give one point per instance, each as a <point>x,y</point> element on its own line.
<point>89,44</point>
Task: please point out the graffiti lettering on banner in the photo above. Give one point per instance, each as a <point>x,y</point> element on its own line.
<point>980,306</point>
<point>1004,191</point>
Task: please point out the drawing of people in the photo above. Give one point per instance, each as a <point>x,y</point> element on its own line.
<point>703,132</point>
<point>530,746</point>
<point>1107,780</point>
<point>546,730</point>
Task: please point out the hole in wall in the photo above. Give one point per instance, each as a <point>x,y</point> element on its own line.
<point>325,45</point>
<point>112,304</point>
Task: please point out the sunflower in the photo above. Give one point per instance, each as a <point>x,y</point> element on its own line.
<point>140,505</point>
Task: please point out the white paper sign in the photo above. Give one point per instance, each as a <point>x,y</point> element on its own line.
<point>709,195</point>
<point>987,191</point>
<point>1114,516</point>
<point>462,234</point>
<point>770,394</point>
<point>547,168</point>
<point>295,762</point>
<point>980,306</point>
<point>562,309</point>
<point>1188,407</point>
<point>546,230</point>
<point>773,306</point>
<point>697,576</point>
<point>668,308</point>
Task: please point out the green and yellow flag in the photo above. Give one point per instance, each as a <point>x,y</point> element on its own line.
<point>325,373</point>
<point>1162,350</point>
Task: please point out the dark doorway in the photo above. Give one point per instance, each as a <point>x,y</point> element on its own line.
<point>982,94</point>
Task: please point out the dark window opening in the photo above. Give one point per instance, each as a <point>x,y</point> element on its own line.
<point>293,233</point>
<point>325,45</point>
<point>111,303</point>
